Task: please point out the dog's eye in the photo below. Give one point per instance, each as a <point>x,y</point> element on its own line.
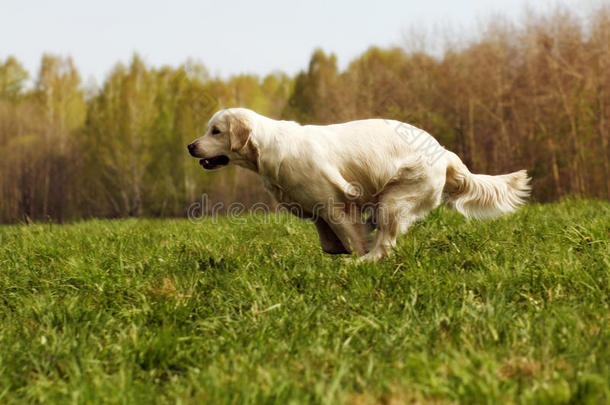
<point>215,131</point>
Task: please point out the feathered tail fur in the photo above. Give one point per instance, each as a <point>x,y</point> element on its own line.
<point>483,196</point>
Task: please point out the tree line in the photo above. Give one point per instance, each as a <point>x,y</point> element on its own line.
<point>532,95</point>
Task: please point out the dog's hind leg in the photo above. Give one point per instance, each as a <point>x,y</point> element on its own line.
<point>397,211</point>
<point>392,220</point>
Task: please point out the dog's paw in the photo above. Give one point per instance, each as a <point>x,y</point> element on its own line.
<point>372,256</point>
<point>350,260</point>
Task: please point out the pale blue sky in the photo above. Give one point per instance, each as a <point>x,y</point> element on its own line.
<point>230,37</point>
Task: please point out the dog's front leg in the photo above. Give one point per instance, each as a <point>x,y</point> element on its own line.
<point>349,231</point>
<point>329,241</point>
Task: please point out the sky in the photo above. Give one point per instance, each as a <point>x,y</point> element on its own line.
<point>238,36</point>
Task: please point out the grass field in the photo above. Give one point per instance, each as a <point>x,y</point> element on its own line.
<point>513,310</point>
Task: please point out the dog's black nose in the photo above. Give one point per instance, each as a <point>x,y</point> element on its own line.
<point>191,148</point>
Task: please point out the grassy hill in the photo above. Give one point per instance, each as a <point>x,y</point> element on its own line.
<point>513,310</point>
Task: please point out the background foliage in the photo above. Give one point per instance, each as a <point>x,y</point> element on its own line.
<point>532,95</point>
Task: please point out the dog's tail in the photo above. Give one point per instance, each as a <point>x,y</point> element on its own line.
<point>482,196</point>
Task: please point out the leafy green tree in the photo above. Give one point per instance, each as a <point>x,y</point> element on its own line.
<point>315,97</point>
<point>12,79</point>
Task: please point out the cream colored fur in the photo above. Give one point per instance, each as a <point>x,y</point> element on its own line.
<point>354,177</point>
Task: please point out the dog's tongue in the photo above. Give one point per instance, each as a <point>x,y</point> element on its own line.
<point>214,162</point>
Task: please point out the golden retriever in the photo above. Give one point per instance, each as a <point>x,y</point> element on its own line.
<point>355,177</point>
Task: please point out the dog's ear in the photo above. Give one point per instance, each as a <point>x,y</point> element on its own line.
<point>239,133</point>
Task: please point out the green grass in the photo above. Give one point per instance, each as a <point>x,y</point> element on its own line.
<point>513,310</point>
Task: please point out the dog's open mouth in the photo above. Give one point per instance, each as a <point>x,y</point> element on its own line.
<point>214,162</point>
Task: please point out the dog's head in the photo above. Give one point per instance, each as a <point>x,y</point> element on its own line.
<point>228,139</point>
